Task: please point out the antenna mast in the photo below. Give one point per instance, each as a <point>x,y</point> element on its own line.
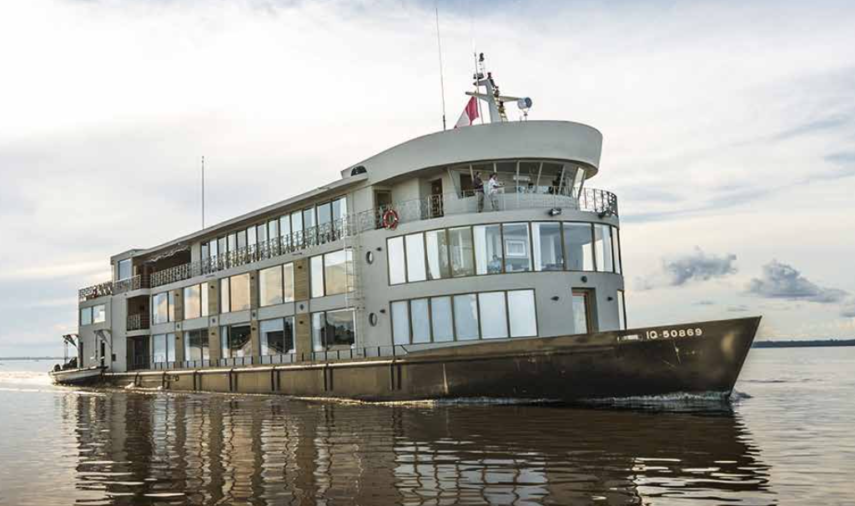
<point>439,48</point>
<point>203,192</point>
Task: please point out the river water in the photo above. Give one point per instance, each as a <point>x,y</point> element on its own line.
<point>786,438</point>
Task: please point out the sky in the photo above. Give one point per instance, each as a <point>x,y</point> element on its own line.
<point>729,133</point>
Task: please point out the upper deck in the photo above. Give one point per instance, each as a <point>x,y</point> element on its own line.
<point>540,164</point>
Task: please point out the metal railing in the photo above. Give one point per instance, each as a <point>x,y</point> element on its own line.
<point>95,291</point>
<point>138,322</point>
<point>287,358</point>
<point>432,206</point>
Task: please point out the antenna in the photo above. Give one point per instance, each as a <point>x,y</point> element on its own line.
<point>203,192</point>
<point>439,47</point>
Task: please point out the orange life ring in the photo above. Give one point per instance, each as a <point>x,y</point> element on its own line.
<point>390,219</point>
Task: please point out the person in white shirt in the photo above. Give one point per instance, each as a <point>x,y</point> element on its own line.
<point>491,188</point>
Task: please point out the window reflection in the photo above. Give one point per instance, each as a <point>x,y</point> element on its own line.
<point>270,286</point>
<point>517,250</point>
<point>415,246</point>
<point>437,255</point>
<point>548,254</point>
<point>462,254</point>
<point>603,248</point>
<point>397,265</point>
<point>466,317</point>
<point>488,249</point>
<point>493,315</point>
<point>578,247</point>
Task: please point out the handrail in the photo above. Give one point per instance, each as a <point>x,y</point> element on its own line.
<point>288,358</point>
<point>432,206</point>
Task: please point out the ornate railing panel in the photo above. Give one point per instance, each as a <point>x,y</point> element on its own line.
<point>138,322</point>
<point>95,291</point>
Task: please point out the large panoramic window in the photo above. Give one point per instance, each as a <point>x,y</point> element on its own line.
<point>517,249</point>
<point>163,348</point>
<point>578,246</point>
<point>338,272</point>
<point>420,316</point>
<point>225,296</point>
<point>401,322</point>
<point>277,336</point>
<point>239,286</point>
<point>488,249</point>
<point>617,255</point>
<point>317,276</point>
<point>603,248</point>
<point>270,286</point>
<point>415,244</point>
<point>160,308</point>
<point>125,270</point>
<point>442,320</point>
<point>203,292</point>
<point>192,302</point>
<point>196,345</point>
<point>548,253</point>
<point>288,282</point>
<point>493,315</point>
<point>235,341</point>
<point>86,316</point>
<point>170,308</point>
<point>436,243</point>
<point>339,208</point>
<point>462,255</point>
<point>332,273</point>
<point>466,317</point>
<point>333,328</point>
<point>522,314</point>
<point>397,261</point>
<point>99,313</point>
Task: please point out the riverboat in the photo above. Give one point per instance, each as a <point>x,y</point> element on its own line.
<point>469,263</point>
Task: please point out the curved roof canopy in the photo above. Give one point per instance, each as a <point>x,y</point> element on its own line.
<point>559,140</point>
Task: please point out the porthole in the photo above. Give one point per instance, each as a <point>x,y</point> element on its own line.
<point>372,319</point>
<point>369,257</point>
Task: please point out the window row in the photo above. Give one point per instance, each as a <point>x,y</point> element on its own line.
<point>332,273</point>
<point>298,222</point>
<point>487,315</point>
<point>93,314</point>
<point>503,248</point>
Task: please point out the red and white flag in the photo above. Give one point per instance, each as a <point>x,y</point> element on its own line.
<point>470,114</point>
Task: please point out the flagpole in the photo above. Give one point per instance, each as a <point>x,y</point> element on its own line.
<point>439,48</point>
<point>203,192</point>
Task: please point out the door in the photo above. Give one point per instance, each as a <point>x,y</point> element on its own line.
<point>583,313</point>
<point>436,198</point>
<point>382,202</point>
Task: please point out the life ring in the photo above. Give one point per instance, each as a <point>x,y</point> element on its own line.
<point>390,219</point>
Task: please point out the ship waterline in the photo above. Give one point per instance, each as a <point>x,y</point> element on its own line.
<point>697,358</point>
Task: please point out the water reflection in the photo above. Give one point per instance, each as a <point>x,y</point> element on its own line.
<point>200,449</point>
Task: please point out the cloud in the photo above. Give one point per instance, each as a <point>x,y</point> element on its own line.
<point>705,303</point>
<point>738,308</point>
<point>848,308</point>
<point>782,281</point>
<point>693,267</point>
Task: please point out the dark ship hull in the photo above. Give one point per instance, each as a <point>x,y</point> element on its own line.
<point>695,358</point>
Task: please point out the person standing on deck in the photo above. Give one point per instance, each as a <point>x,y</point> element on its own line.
<point>492,189</point>
<point>478,184</point>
